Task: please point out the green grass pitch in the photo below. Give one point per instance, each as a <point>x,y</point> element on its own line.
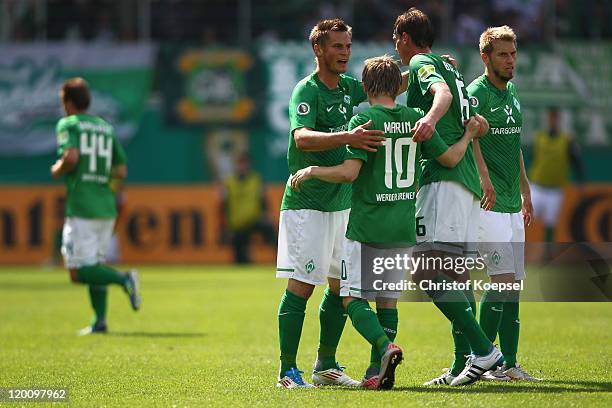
<point>207,336</point>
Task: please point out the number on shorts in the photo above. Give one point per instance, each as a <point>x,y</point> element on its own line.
<point>420,228</point>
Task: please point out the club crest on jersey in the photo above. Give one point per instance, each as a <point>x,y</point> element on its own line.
<point>343,111</point>
<point>62,137</point>
<point>474,101</point>
<point>426,71</point>
<point>303,108</point>
<point>517,104</point>
<point>347,99</point>
<point>508,111</point>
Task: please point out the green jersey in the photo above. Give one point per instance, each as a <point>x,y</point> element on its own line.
<point>426,70</point>
<point>501,147</point>
<point>313,105</point>
<point>88,193</point>
<point>384,192</point>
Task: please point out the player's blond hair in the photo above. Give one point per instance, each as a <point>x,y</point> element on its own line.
<point>503,33</point>
<point>381,76</point>
<point>321,30</point>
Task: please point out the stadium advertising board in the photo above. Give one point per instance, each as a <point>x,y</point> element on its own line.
<point>179,224</point>
<point>157,225</point>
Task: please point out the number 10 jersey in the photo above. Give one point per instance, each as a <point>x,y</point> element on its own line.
<point>384,192</point>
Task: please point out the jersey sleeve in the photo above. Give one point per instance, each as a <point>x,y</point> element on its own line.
<point>434,147</point>
<point>303,107</point>
<point>67,137</point>
<point>351,152</point>
<point>425,73</point>
<point>478,97</point>
<point>119,156</point>
<point>357,91</point>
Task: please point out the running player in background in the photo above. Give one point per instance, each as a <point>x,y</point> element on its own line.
<point>448,202</point>
<point>554,150</point>
<point>313,220</point>
<point>382,220</point>
<point>89,157</point>
<point>502,232</point>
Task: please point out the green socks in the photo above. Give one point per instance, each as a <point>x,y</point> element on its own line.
<point>509,329</point>
<point>456,307</point>
<point>332,318</point>
<point>499,313</point>
<point>460,340</point>
<point>291,313</point>
<point>549,234</point>
<point>365,321</point>
<point>388,319</point>
<point>98,277</point>
<point>100,274</point>
<point>491,310</point>
<point>97,296</point>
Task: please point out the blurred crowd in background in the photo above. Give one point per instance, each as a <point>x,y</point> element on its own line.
<point>197,91</point>
<point>239,22</point>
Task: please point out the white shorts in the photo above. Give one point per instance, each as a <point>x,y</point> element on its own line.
<point>357,279</point>
<point>310,244</point>
<point>546,203</point>
<point>85,240</point>
<point>501,243</point>
<point>447,218</point>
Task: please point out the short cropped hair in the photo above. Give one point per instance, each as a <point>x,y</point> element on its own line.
<point>320,32</point>
<point>381,76</point>
<point>503,33</point>
<point>417,25</point>
<point>76,90</point>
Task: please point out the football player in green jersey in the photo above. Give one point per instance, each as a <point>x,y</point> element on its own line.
<point>448,202</point>
<point>313,220</point>
<point>382,221</point>
<point>502,232</point>
<point>90,156</point>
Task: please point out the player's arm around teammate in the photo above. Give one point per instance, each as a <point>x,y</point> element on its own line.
<point>447,229</point>
<point>313,220</point>
<point>374,173</point>
<point>348,171</point>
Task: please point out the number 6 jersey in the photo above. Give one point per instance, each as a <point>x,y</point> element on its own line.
<point>88,193</point>
<point>384,192</point>
<point>426,70</point>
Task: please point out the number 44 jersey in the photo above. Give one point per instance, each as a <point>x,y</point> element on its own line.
<point>88,192</point>
<point>384,192</point>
